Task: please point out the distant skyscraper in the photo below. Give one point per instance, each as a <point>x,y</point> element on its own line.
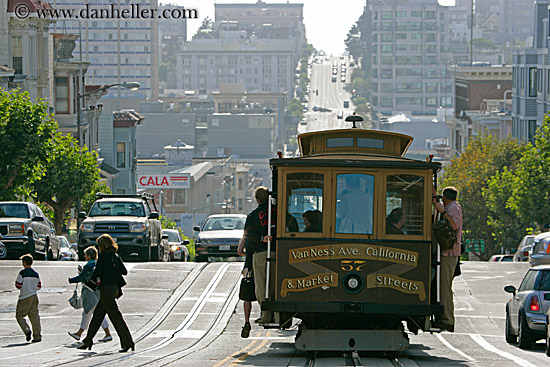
<point>118,50</point>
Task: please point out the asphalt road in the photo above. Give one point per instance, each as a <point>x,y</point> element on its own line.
<point>188,314</point>
<point>331,95</point>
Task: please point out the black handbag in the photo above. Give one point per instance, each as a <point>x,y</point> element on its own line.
<point>247,292</point>
<point>444,234</point>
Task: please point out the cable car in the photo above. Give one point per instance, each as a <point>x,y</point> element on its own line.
<point>353,260</point>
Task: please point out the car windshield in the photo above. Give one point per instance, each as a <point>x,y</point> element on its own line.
<point>172,236</point>
<point>63,242</point>
<point>117,208</point>
<point>224,223</point>
<point>14,211</point>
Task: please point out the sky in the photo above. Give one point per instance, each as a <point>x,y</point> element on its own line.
<point>327,21</point>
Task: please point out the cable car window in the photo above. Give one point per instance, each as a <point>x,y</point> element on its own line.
<point>339,142</point>
<point>405,204</point>
<point>304,192</point>
<point>370,143</point>
<point>354,203</point>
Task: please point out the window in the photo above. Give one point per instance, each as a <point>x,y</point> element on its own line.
<point>387,88</point>
<point>401,14</point>
<point>339,142</point>
<point>120,155</point>
<point>180,196</point>
<point>417,47</point>
<point>304,198</point>
<point>430,37</point>
<point>416,13</point>
<point>62,95</point>
<point>405,204</point>
<point>431,49</point>
<point>17,54</point>
<point>528,282</point>
<point>401,36</point>
<point>430,14</point>
<point>402,47</point>
<point>386,102</point>
<point>386,37</point>
<point>431,101</point>
<point>532,82</point>
<point>431,87</point>
<point>121,191</point>
<point>416,36</point>
<point>430,26</point>
<point>385,15</point>
<point>354,203</point>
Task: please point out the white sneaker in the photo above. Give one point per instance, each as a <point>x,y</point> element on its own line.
<point>74,335</point>
<point>105,339</point>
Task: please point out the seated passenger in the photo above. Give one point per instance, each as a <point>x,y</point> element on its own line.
<point>313,220</point>
<point>395,221</point>
<point>291,223</point>
<point>240,225</point>
<point>217,226</point>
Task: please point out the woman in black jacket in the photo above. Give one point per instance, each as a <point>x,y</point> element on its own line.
<point>109,269</point>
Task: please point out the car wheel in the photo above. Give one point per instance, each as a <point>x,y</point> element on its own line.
<point>525,338</point>
<point>145,254</point>
<point>547,348</point>
<point>3,251</point>
<point>510,338</point>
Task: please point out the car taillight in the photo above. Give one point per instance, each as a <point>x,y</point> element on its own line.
<point>534,304</point>
<point>526,253</point>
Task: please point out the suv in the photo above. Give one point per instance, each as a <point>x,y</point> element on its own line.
<point>25,229</point>
<point>219,236</point>
<point>129,219</point>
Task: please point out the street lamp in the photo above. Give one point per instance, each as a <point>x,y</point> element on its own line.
<point>129,85</point>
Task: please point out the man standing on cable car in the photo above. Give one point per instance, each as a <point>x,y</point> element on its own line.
<point>255,231</point>
<point>451,211</point>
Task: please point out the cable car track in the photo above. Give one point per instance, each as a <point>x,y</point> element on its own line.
<point>189,319</point>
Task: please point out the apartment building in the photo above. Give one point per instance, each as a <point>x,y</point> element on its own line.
<point>266,65</point>
<point>118,50</point>
<point>265,20</point>
<point>409,51</point>
<point>531,78</point>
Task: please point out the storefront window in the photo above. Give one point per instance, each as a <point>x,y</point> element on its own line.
<point>405,204</point>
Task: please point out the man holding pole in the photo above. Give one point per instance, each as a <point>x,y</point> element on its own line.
<point>258,233</point>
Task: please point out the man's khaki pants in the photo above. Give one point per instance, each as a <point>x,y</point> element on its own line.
<point>259,264</point>
<point>29,306</point>
<point>448,265</point>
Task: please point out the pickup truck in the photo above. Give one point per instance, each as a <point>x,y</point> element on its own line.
<point>132,221</point>
<point>25,229</point>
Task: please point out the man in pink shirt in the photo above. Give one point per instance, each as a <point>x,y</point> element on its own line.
<point>451,211</point>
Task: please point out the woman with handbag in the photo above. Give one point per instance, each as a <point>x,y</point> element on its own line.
<point>89,297</point>
<point>109,270</point>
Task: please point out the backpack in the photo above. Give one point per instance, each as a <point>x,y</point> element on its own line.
<point>444,234</point>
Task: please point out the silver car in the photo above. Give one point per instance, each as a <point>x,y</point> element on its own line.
<point>526,310</point>
<point>219,236</point>
<point>67,251</point>
<point>524,248</point>
<point>177,246</point>
<point>540,254</point>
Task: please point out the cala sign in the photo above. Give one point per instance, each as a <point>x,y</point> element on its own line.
<point>166,181</point>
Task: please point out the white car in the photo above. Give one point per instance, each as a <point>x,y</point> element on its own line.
<point>67,251</point>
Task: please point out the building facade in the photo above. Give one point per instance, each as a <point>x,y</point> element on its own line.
<point>118,50</point>
<point>266,65</point>
<point>531,84</point>
<point>409,50</point>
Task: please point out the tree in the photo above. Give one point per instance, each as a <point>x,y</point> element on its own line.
<point>71,173</point>
<point>26,132</point>
<point>295,108</point>
<point>531,197</point>
<point>475,173</point>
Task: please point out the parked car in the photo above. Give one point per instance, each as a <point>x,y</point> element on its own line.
<point>219,236</point>
<point>525,247</point>
<point>67,251</point>
<point>526,311</point>
<point>539,254</point>
<point>25,229</point>
<point>502,258</point>
<point>177,246</point>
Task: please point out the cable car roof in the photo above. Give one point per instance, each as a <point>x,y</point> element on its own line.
<point>354,141</point>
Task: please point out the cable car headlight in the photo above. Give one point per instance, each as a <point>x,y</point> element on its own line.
<point>353,283</point>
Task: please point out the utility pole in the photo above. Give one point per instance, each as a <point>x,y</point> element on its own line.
<point>472,19</point>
